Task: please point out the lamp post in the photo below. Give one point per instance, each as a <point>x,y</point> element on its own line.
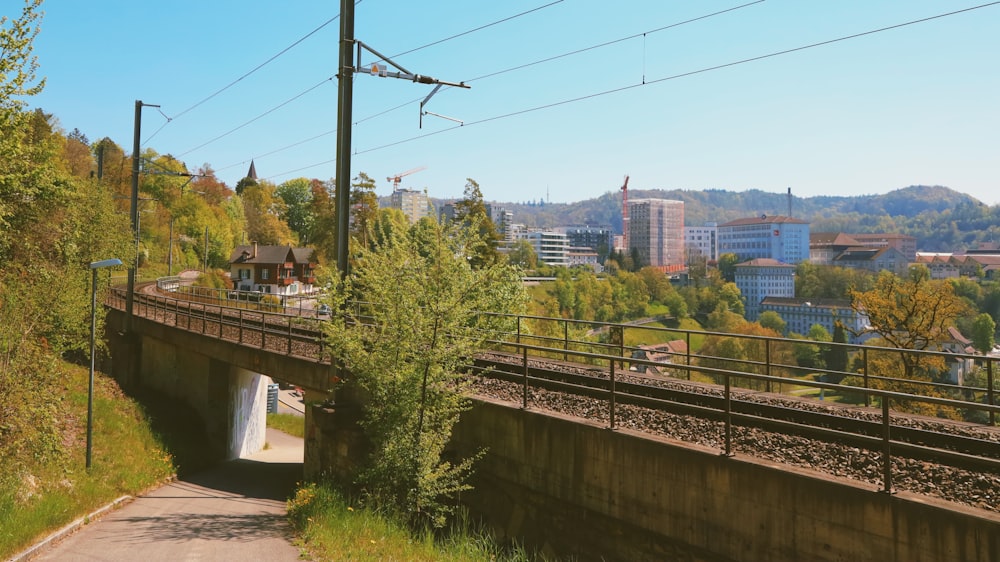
<point>94,266</point>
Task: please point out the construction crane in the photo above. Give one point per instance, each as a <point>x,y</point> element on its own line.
<point>624,189</point>
<point>398,177</point>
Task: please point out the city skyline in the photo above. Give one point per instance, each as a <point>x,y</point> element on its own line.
<point>676,108</point>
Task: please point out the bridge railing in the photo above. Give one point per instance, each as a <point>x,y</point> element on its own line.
<point>288,334</point>
<point>618,350</point>
<point>772,364</point>
<point>616,368</point>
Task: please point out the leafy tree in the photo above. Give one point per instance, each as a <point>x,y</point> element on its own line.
<point>810,355</point>
<point>910,314</point>
<point>772,320</point>
<point>727,266</point>
<point>323,237</point>
<point>364,210</point>
<point>523,255</point>
<point>984,333</point>
<point>263,210</point>
<point>297,196</point>
<point>836,356</point>
<point>471,211</point>
<point>744,354</point>
<point>407,352</point>
<point>53,223</point>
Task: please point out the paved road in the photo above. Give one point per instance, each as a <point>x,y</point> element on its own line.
<point>235,511</point>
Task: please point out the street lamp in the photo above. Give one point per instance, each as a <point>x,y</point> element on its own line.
<point>94,266</point>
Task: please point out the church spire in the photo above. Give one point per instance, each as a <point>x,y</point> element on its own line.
<point>252,172</point>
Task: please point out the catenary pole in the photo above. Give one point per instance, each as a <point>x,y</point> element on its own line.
<point>345,102</point>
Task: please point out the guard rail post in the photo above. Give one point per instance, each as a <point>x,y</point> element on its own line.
<point>524,395</point>
<point>864,358</point>
<point>729,416</point>
<point>886,447</point>
<point>612,400</point>
<point>767,365</point>
<point>989,390</point>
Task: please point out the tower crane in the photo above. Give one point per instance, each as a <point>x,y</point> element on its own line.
<point>398,177</point>
<point>624,190</point>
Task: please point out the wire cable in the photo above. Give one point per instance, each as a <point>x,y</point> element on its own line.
<point>556,57</point>
<point>255,69</point>
<point>678,76</point>
<point>480,28</point>
<point>269,111</point>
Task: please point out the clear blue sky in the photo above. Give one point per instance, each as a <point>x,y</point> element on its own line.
<point>913,105</point>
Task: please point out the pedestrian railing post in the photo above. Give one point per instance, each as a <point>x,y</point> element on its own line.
<point>524,395</point>
<point>767,364</point>
<point>989,390</point>
<point>565,340</point>
<point>886,447</point>
<point>688,370</point>
<point>864,358</point>
<point>729,416</point>
<point>612,399</point>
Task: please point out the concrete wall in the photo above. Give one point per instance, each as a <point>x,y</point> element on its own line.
<point>583,490</point>
<point>231,401</point>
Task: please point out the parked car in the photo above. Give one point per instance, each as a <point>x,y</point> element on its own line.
<point>323,310</point>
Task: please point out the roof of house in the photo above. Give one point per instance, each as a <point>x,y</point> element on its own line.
<point>831,239</point>
<point>814,303</point>
<point>764,219</point>
<point>264,254</point>
<point>765,262</point>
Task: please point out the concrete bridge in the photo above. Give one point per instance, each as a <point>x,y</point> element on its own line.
<point>569,486</point>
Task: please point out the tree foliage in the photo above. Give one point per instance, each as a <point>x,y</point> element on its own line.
<point>909,314</point>
<point>53,223</point>
<point>407,351</point>
<point>984,333</point>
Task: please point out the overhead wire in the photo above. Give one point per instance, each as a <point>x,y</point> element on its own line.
<point>245,75</point>
<point>269,111</point>
<point>668,78</point>
<point>497,73</point>
<point>413,50</point>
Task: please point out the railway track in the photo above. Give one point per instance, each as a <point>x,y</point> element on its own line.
<point>959,444</point>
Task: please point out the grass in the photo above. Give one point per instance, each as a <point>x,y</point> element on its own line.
<point>332,528</point>
<point>289,423</point>
<point>127,457</point>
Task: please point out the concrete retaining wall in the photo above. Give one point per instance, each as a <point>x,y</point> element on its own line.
<point>583,490</point>
<point>231,402</point>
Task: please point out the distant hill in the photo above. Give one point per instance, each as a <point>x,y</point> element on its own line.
<point>941,218</point>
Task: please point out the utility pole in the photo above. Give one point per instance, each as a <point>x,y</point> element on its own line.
<point>134,214</point>
<point>345,101</point>
<point>345,110</point>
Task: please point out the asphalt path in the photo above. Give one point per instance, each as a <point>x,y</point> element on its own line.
<point>235,511</point>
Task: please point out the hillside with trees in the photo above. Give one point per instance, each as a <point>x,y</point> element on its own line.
<point>940,218</point>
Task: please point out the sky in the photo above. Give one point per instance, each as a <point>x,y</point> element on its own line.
<point>661,101</point>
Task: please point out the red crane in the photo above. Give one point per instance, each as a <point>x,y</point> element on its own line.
<point>624,189</point>
<point>398,177</point>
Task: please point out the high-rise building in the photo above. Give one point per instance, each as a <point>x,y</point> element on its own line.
<point>552,248</point>
<point>701,241</point>
<point>598,238</point>
<point>502,221</point>
<point>656,231</point>
<point>761,278</point>
<point>414,204</point>
<point>785,239</point>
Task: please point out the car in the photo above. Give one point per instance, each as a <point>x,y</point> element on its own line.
<point>323,310</point>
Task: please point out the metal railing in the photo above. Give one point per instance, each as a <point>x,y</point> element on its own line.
<point>609,347</point>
